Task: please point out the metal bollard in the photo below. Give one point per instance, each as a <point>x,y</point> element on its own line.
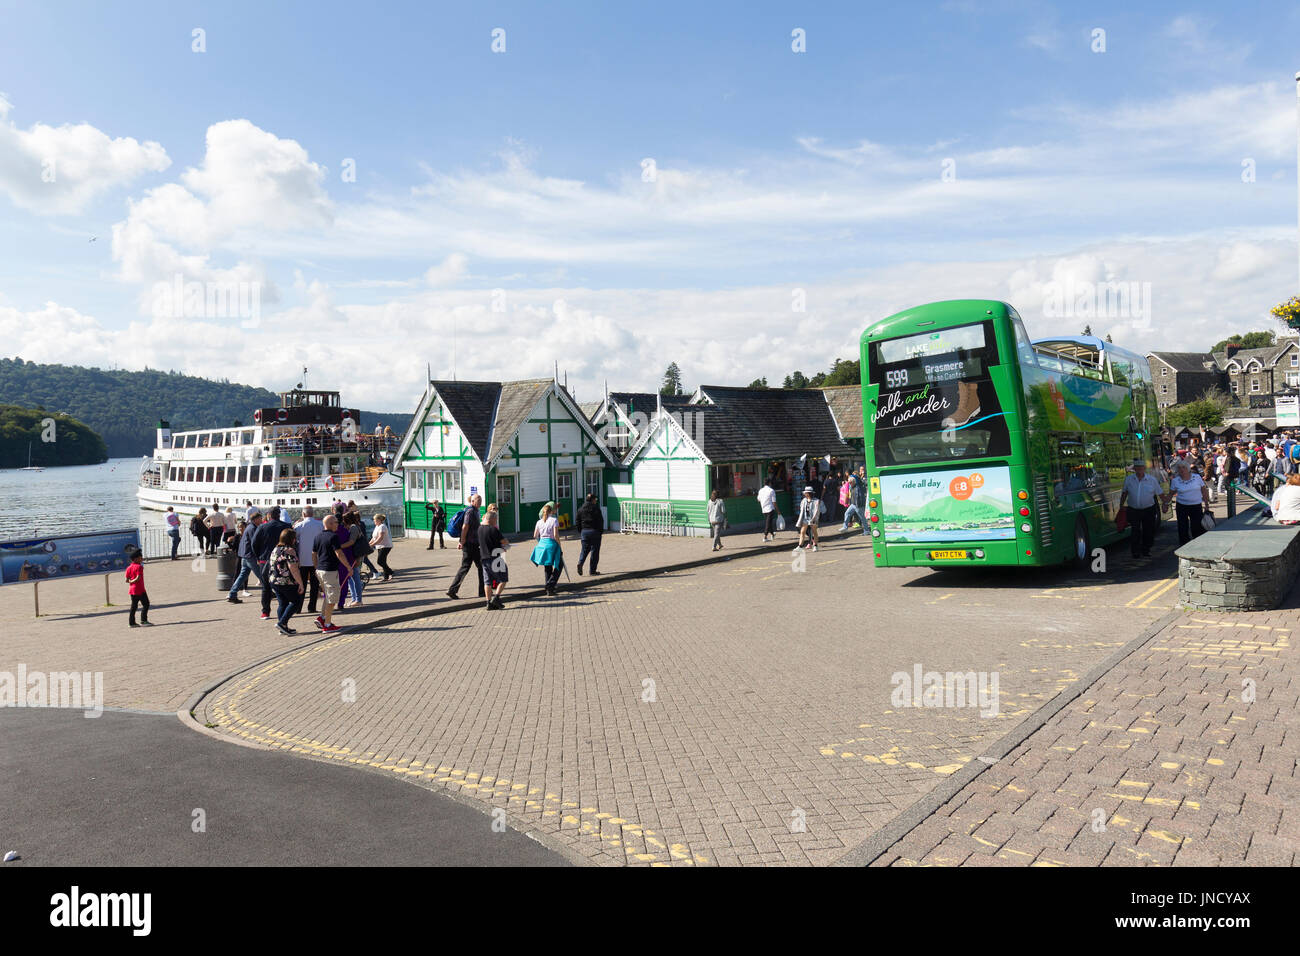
<point>1232,499</point>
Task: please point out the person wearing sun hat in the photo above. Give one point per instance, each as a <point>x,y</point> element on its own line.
<point>809,516</point>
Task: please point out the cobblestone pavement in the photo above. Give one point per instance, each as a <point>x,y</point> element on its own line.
<point>738,713</point>
<point>1185,753</point>
<point>198,637</point>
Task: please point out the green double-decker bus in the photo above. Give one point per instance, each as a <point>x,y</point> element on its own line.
<point>984,447</point>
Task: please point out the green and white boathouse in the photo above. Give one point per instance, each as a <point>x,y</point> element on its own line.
<point>518,444</point>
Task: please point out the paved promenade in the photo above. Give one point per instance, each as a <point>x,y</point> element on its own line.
<point>198,637</point>
<point>743,711</point>
<point>1186,753</point>
<point>739,713</point>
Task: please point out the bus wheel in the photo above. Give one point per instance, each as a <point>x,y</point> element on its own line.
<point>1082,543</point>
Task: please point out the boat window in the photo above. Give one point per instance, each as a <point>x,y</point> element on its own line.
<point>203,440</point>
<point>220,475</point>
<point>230,473</point>
<point>266,473</point>
<point>210,479</point>
<point>248,436</point>
<point>243,473</point>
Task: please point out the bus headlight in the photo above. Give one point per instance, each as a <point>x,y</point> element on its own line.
<point>875,532</point>
<point>979,552</point>
<point>1026,527</point>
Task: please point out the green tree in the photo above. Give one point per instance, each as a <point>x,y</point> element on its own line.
<point>1251,340</point>
<point>758,383</point>
<point>672,383</point>
<point>1087,330</point>
<point>844,372</point>
<point>795,380</point>
<point>1207,410</point>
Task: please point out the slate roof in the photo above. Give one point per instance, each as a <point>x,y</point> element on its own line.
<point>1184,361</point>
<point>646,402</point>
<point>748,424</point>
<point>471,404</point>
<point>517,400</point>
<point>845,403</point>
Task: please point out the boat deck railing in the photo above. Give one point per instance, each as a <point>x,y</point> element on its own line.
<point>347,481</point>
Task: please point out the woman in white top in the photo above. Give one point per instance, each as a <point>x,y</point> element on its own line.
<point>1286,501</point>
<point>382,542</point>
<point>1193,499</point>
<point>547,554</point>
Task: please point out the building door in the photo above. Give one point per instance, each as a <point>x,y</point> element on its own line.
<point>507,506</point>
<point>564,493</point>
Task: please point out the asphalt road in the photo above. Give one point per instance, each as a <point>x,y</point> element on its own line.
<point>122,790</point>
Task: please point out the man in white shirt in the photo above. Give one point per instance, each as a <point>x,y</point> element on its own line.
<point>1192,500</point>
<point>1141,492</point>
<point>308,527</point>
<point>767,501</point>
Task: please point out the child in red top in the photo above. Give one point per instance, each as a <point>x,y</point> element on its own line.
<point>135,587</point>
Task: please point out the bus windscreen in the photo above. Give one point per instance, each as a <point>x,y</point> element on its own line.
<point>936,400</point>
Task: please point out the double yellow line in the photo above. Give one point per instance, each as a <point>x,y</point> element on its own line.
<point>1156,590</point>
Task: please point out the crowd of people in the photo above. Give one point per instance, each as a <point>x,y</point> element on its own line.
<point>326,561</point>
<point>323,561</point>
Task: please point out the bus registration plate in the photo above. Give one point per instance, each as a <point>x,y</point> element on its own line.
<point>947,555</point>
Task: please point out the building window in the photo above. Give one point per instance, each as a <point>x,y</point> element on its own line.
<point>1295,359</point>
<point>1164,388</point>
<point>1293,378</point>
<point>1164,370</point>
<point>593,482</point>
<point>451,486</point>
<point>563,486</point>
<point>1235,389</point>
<point>1254,385</point>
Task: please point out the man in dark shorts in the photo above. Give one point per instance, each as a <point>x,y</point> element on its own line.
<point>492,546</point>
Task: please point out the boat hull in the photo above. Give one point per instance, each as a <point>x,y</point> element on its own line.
<point>384,495</point>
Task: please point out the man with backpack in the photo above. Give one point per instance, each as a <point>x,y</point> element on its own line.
<point>464,526</point>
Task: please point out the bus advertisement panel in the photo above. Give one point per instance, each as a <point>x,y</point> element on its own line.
<point>961,504</point>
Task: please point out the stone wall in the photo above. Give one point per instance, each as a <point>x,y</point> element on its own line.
<point>1240,584</point>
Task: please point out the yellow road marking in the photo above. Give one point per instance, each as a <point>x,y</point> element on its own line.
<point>226,714</point>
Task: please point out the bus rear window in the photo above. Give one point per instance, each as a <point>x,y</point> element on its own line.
<point>936,400</point>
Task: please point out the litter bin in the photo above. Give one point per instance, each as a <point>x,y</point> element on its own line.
<point>227,569</point>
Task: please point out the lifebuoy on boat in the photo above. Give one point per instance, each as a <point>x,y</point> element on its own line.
<point>257,415</point>
<point>303,484</point>
<point>281,415</point>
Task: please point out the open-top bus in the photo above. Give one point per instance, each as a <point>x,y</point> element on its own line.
<point>984,447</point>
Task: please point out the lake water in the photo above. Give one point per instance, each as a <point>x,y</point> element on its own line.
<point>40,504</point>
<point>69,500</point>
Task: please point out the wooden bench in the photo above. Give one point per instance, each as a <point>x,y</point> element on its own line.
<point>1247,563</point>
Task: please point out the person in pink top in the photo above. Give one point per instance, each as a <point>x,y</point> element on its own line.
<point>135,587</point>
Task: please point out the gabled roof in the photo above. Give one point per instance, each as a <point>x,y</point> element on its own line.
<point>845,403</point>
<point>747,424</point>
<point>490,414</point>
<point>518,399</point>
<point>1184,361</point>
<point>472,406</point>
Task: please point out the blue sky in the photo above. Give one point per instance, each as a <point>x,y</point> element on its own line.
<point>500,197</point>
